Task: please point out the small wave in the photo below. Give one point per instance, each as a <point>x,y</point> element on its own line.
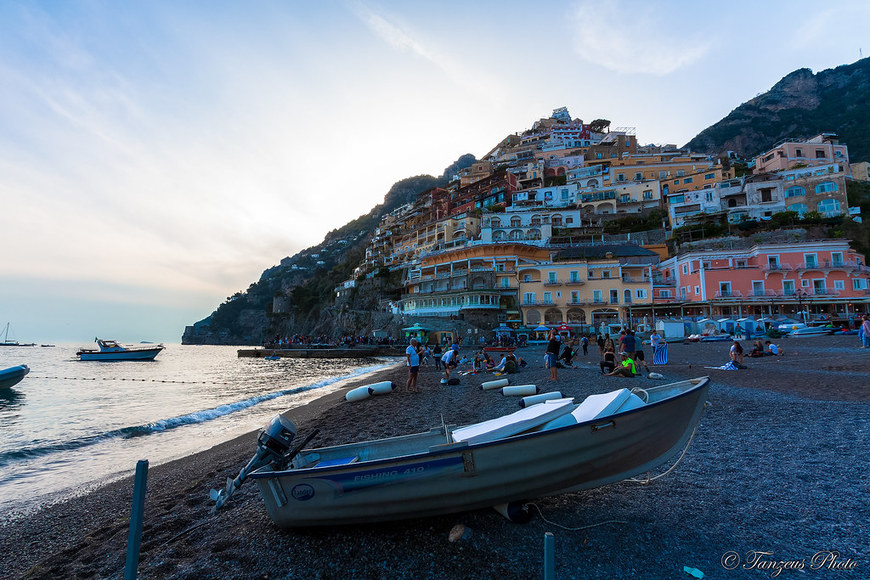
<point>42,449</point>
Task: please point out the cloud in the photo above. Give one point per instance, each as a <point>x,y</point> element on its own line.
<point>630,37</point>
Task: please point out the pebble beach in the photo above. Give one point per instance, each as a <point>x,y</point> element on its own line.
<point>774,484</point>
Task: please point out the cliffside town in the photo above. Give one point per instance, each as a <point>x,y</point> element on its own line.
<point>576,225</point>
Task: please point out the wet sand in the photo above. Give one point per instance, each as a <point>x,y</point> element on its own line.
<point>779,464</point>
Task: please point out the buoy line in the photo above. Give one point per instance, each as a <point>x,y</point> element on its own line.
<point>134,380</point>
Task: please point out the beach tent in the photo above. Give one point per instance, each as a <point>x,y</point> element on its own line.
<point>502,329</point>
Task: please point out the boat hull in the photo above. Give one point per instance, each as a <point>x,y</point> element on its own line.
<point>460,477</point>
<point>143,354</point>
<point>12,376</point>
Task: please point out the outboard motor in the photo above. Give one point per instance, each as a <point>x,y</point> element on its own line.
<point>273,447</point>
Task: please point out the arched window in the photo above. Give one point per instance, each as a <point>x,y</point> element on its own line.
<point>556,220</point>
<point>826,186</point>
<point>499,236</point>
<point>534,234</point>
<point>800,208</point>
<point>536,220</point>
<point>495,222</point>
<point>516,235</point>
<point>795,191</point>
<point>829,207</point>
<point>515,221</point>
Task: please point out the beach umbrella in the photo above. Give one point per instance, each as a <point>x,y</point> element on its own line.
<point>542,328</point>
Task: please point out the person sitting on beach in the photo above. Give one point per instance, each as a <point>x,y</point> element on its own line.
<point>757,350</point>
<point>477,364</point>
<point>626,368</point>
<point>567,356</point>
<point>773,349</point>
<point>736,354</point>
<point>609,362</point>
<point>508,364</point>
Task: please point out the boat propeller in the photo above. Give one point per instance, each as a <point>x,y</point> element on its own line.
<point>273,447</point>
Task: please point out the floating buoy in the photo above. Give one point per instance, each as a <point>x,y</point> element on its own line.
<point>381,388</point>
<point>534,399</point>
<point>358,394</point>
<point>520,391</point>
<point>489,385</point>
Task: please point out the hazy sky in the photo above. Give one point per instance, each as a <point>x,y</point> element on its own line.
<point>156,157</point>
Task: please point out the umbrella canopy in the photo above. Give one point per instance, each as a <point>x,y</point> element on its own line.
<point>542,328</point>
<point>417,327</point>
<point>563,327</point>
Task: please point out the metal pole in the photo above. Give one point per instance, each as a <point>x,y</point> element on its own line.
<point>549,556</point>
<point>137,512</point>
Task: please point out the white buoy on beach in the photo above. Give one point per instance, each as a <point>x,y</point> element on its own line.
<point>534,399</point>
<point>358,394</point>
<point>381,388</point>
<point>520,391</point>
<point>489,385</point>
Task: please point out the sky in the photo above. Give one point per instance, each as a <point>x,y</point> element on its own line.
<point>156,157</point>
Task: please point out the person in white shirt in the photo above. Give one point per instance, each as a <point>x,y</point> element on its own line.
<point>773,349</point>
<point>413,355</point>
<point>449,360</point>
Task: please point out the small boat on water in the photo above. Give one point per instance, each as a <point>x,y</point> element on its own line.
<point>8,342</point>
<point>110,350</point>
<point>549,448</point>
<point>13,375</point>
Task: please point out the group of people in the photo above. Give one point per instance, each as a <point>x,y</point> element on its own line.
<point>630,352</point>
<point>448,360</point>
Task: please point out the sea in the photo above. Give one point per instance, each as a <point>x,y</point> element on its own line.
<point>72,425</point>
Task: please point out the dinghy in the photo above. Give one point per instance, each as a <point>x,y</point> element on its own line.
<point>550,448</point>
<point>13,375</point>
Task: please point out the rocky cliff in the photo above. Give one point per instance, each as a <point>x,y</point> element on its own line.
<point>802,104</point>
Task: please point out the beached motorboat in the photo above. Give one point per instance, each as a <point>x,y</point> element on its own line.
<point>803,330</point>
<point>13,375</point>
<point>110,350</point>
<point>545,449</point>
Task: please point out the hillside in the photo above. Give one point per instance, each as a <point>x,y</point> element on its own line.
<point>308,277</point>
<point>802,104</point>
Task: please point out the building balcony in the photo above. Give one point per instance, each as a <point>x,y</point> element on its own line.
<point>774,268</point>
<point>599,302</point>
<point>633,280</point>
<point>732,295</point>
<point>578,302</point>
<point>574,283</point>
<point>549,283</point>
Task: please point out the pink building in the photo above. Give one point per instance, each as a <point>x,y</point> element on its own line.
<point>823,277</point>
<point>823,149</point>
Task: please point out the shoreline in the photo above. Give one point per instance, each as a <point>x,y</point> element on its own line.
<point>786,432</point>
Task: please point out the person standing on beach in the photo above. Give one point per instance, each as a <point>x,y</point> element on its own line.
<point>584,342</point>
<point>608,343</point>
<point>600,342</point>
<point>552,353</point>
<point>865,326</point>
<point>449,361</point>
<point>413,355</point>
<point>436,355</point>
<point>660,348</point>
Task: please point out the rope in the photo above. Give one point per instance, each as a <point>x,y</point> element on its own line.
<point>649,479</point>
<point>129,379</point>
<point>540,513</point>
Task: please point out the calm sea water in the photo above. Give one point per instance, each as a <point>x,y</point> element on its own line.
<point>70,425</point>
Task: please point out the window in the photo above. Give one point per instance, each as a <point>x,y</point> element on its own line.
<point>678,198</point>
<point>680,173</point>
<point>829,207</point>
<point>495,222</point>
<point>551,277</point>
<point>688,180</point>
<point>757,288</point>
<point>575,297</point>
<point>788,287</point>
<point>556,220</point>
<point>663,174</point>
<point>685,269</point>
<point>810,261</point>
<point>859,283</point>
<point>826,186</point>
<point>574,275</point>
<point>614,296</point>
<point>527,277</point>
<point>709,196</point>
<point>798,153</point>
<point>529,298</point>
<point>799,208</point>
<point>515,221</point>
<point>626,296</point>
<point>795,191</point>
<point>647,194</point>
<point>837,258</point>
<point>839,285</point>
<point>620,177</point>
<point>605,273</point>
<point>640,293</point>
<point>740,263</point>
<point>820,153</point>
<point>725,289</point>
<point>548,297</point>
<point>596,296</point>
<point>591,274</point>
<point>697,290</point>
<point>805,283</point>
<point>638,176</point>
<point>819,287</point>
<point>710,176</point>
<point>766,195</point>
<point>565,194</point>
<point>663,293</point>
<point>773,262</point>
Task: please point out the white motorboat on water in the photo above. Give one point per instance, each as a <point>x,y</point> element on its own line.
<point>13,375</point>
<point>804,330</point>
<point>110,350</point>
<point>550,448</point>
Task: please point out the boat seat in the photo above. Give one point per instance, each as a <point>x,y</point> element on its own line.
<point>598,406</point>
<point>517,422</point>
<point>337,461</point>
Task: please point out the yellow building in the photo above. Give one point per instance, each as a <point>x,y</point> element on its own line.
<point>586,285</point>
